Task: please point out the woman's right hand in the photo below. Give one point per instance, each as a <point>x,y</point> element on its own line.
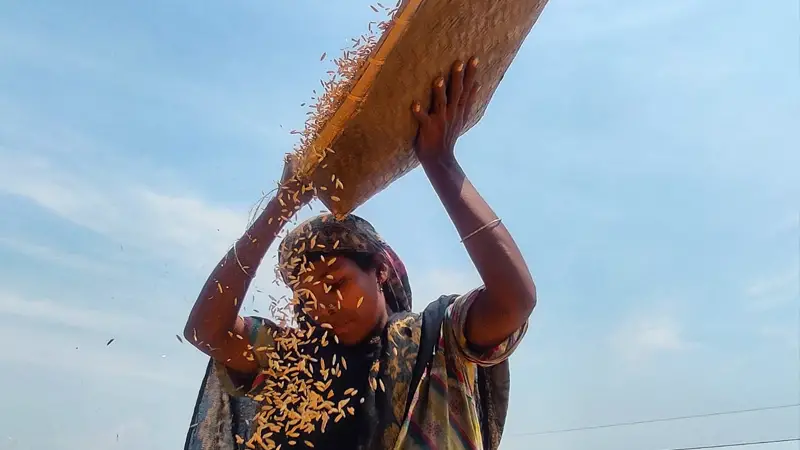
<point>294,190</point>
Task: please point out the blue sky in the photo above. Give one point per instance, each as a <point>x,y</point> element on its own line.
<point>640,152</point>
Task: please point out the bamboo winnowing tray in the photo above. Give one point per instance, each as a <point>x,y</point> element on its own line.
<point>372,130</point>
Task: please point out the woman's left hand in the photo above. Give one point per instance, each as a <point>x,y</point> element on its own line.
<point>293,188</point>
<point>444,123</point>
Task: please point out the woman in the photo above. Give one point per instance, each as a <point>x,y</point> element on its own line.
<point>361,371</point>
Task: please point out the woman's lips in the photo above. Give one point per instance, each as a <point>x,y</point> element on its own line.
<point>342,327</point>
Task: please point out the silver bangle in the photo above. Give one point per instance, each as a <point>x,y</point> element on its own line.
<point>481,228</point>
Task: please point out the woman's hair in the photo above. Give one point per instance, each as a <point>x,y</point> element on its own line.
<point>364,261</point>
<point>350,237</point>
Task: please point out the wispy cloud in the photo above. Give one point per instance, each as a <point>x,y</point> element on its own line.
<point>48,349</point>
<point>62,336</point>
<point>122,210</point>
<point>645,335</point>
<point>14,306</point>
<point>55,256</point>
<point>775,290</point>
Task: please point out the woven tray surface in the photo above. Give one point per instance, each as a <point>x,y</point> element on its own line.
<point>373,137</point>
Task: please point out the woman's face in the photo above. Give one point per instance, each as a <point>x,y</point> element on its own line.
<point>340,293</point>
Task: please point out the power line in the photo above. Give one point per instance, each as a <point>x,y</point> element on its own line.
<point>662,419</point>
<point>739,444</point>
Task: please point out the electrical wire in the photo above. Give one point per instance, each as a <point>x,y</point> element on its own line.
<point>738,444</point>
<point>662,419</point>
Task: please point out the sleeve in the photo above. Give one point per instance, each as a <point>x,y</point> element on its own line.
<point>233,383</point>
<point>455,324</point>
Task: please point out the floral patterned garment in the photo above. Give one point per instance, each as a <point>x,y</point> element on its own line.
<point>445,408</point>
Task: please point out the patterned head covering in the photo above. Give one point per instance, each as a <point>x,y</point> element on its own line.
<point>326,234</point>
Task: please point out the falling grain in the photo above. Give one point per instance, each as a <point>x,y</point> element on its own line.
<point>291,403</point>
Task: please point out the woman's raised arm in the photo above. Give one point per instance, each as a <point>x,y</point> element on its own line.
<point>214,325</point>
<point>510,294</point>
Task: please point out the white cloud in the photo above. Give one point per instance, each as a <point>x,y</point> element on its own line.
<point>44,348</point>
<point>55,256</point>
<point>105,202</point>
<point>60,336</point>
<point>644,335</point>
<point>773,291</point>
<point>15,306</point>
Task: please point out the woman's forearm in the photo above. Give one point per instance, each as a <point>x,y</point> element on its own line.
<point>217,307</point>
<point>510,293</point>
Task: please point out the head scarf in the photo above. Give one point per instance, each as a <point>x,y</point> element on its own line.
<point>327,234</point>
